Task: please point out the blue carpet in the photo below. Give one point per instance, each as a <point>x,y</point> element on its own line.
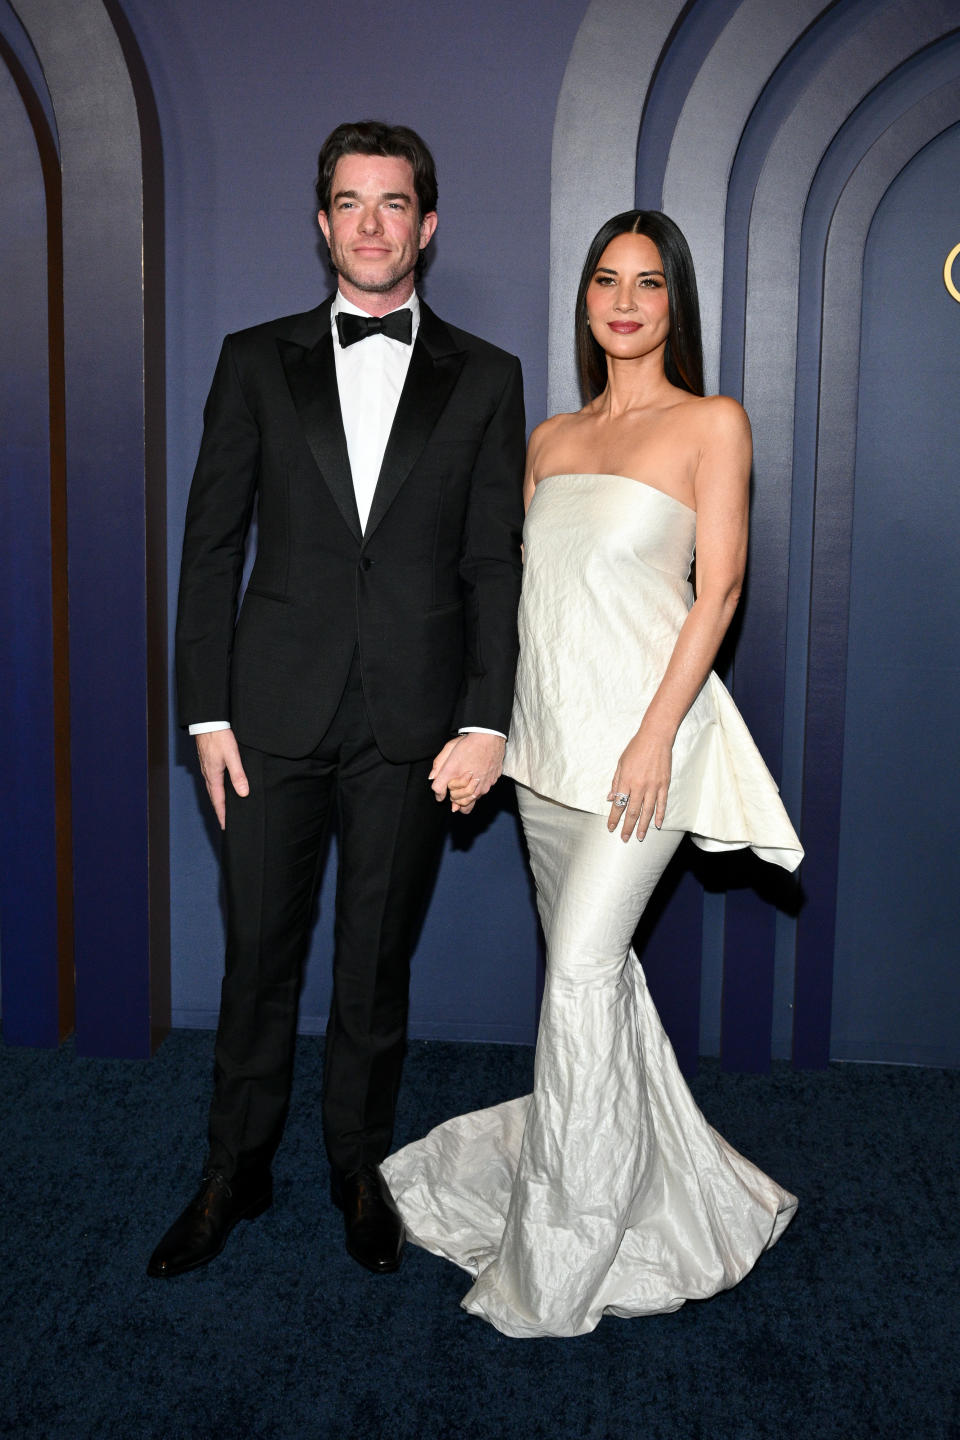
<point>848,1328</point>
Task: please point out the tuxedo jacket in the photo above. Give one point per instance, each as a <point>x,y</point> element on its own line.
<point>428,592</point>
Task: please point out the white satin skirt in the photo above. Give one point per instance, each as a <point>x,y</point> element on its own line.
<point>605,1191</point>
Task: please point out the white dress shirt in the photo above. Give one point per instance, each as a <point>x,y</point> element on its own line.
<point>370,377</point>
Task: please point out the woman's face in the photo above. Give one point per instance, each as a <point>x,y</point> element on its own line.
<point>627,304</point>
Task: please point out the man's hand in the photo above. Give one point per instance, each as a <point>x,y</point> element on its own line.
<point>466,768</point>
<point>218,752</point>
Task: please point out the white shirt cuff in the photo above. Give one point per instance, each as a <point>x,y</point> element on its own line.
<point>206,727</point>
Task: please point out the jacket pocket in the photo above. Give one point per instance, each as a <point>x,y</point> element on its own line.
<point>267,594</point>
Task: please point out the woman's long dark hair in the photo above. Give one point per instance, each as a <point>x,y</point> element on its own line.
<point>683,356</point>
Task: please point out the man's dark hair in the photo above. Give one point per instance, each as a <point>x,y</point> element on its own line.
<point>683,356</point>
<point>373,137</point>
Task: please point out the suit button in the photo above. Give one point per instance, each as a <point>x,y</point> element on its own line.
<point>365,562</point>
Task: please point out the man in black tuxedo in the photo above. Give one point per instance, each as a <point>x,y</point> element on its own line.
<point>370,670</point>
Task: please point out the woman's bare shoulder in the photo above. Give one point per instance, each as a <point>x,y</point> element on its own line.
<point>546,435</point>
<point>553,426</point>
<point>720,418</point>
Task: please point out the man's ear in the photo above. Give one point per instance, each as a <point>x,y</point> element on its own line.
<point>324,224</point>
<point>427,226</point>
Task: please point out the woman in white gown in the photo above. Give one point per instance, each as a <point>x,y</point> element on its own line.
<point>606,1190</point>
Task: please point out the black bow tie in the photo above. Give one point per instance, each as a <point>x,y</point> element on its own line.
<point>398,325</point>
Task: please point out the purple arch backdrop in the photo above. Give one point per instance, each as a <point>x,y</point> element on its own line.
<point>35,870</point>
<point>242,244</point>
<point>98,570</point>
<point>746,105</point>
<point>772,131</point>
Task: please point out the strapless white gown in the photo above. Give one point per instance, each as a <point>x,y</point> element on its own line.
<point>606,1190</point>
<point>606,589</point>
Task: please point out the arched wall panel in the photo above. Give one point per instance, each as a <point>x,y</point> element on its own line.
<point>593,168</point>
<point>708,132</point>
<point>921,74</point>
<point>744,930</point>
<point>829,614</point>
<point>880,109</point>
<point>895,986</point>
<point>775,99</point>
<point>113,354</point>
<point>35,878</point>
<point>844,75</point>
<point>782,95</point>
<point>841,76</point>
<point>680,63</point>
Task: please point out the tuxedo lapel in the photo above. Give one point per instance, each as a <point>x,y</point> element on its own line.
<point>312,377</point>
<point>435,366</point>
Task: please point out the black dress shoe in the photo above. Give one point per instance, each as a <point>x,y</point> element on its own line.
<point>198,1235</point>
<point>374,1230</point>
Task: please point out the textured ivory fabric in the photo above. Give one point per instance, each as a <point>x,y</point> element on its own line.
<point>606,1190</point>
<point>605,593</point>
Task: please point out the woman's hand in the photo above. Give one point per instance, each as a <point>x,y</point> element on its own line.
<point>643,776</point>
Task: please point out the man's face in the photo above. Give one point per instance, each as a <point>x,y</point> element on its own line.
<point>373,228</point>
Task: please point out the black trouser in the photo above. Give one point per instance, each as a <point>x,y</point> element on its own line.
<point>390,835</point>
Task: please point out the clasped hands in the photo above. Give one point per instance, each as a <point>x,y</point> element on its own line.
<point>643,776</point>
<point>467,767</point>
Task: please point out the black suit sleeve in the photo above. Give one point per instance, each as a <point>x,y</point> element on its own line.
<point>490,564</point>
<point>218,517</point>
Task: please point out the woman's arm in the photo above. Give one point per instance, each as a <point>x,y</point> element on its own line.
<point>722,492</point>
<point>529,477</point>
